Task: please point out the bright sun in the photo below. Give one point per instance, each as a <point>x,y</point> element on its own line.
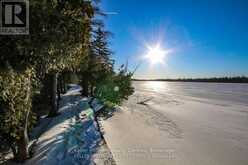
<point>156,55</point>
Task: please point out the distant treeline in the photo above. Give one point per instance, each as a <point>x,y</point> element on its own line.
<point>214,79</point>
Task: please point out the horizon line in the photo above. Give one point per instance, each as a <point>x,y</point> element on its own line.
<point>235,79</point>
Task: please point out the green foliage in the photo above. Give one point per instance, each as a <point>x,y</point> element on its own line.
<point>105,84</point>
<point>15,101</point>
<point>62,30</point>
<point>115,88</point>
<point>106,91</point>
<point>99,63</point>
<point>64,38</point>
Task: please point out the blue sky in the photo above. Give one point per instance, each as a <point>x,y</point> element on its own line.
<point>207,37</point>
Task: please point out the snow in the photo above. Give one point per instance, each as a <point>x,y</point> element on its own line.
<point>71,137</point>
<point>96,104</point>
<point>183,123</point>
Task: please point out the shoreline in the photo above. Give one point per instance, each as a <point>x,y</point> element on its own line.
<point>241,80</point>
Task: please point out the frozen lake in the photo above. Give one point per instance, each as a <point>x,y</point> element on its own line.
<point>231,92</point>
<point>182,123</point>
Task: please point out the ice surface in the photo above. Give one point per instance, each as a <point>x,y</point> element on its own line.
<point>183,124</point>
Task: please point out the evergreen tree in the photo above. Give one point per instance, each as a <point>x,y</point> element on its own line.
<point>99,63</point>
<point>59,37</point>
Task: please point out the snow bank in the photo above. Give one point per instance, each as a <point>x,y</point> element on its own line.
<point>72,137</point>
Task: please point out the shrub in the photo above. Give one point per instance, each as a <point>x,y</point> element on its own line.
<point>115,88</point>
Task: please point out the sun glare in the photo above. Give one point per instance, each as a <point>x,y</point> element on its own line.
<point>156,55</point>
<point>155,85</point>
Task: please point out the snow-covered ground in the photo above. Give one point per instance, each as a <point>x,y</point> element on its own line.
<point>72,137</point>
<point>182,124</point>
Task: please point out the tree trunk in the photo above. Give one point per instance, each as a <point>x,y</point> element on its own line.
<point>46,90</point>
<point>63,84</point>
<point>92,90</point>
<point>22,147</point>
<point>85,89</point>
<point>22,144</point>
<point>85,86</point>
<point>59,91</point>
<point>54,108</point>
